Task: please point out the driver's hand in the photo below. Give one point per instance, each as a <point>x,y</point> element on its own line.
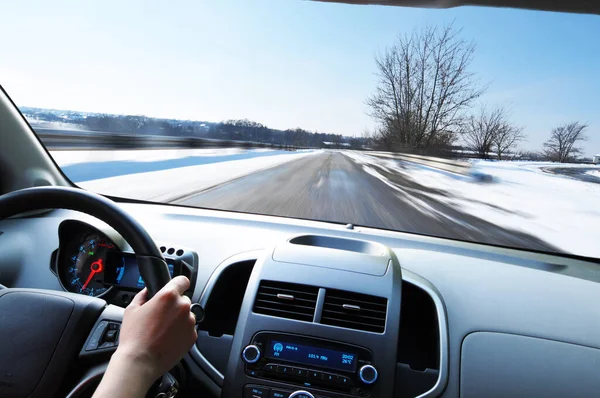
<point>159,331</point>
<point>155,335</point>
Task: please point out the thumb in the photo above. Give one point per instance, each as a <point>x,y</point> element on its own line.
<point>139,299</point>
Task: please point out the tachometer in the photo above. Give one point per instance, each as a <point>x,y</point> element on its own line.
<point>84,273</point>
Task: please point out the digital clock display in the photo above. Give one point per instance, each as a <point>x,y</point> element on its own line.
<point>308,355</point>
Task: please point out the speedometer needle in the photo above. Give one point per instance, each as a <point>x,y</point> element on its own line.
<point>95,267</point>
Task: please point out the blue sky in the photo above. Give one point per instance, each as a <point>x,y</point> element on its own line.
<point>285,63</point>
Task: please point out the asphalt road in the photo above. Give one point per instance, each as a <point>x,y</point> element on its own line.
<point>578,173</point>
<point>332,187</point>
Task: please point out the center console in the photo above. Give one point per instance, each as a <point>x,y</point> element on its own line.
<point>314,322</point>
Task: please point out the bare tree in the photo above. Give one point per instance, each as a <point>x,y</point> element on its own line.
<point>507,138</point>
<point>424,87</point>
<point>491,131</point>
<point>481,131</point>
<point>561,145</point>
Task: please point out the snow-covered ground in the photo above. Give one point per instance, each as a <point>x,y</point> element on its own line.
<point>560,210</point>
<point>169,182</point>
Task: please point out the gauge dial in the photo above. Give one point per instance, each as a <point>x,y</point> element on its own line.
<point>84,271</point>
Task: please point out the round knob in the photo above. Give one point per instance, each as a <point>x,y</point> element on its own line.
<point>368,374</point>
<point>301,394</point>
<point>251,354</point>
<point>198,312</point>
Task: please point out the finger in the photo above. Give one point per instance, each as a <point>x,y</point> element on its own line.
<point>139,299</point>
<point>187,300</point>
<point>180,284</point>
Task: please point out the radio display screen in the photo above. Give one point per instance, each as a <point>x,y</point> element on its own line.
<point>309,355</point>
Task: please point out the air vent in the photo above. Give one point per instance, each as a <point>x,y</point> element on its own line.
<point>354,311</point>
<point>286,300</point>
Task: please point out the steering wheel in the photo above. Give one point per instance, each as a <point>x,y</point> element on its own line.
<point>42,331</point>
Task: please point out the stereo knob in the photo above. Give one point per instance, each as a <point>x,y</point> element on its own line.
<point>251,354</point>
<point>301,394</point>
<point>368,374</point>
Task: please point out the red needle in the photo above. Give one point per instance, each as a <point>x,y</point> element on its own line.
<point>95,267</point>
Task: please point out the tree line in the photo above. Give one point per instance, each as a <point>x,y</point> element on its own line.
<point>247,130</point>
<point>230,130</point>
<point>426,98</point>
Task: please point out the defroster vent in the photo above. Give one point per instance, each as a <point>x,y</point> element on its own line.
<point>354,311</point>
<point>286,300</point>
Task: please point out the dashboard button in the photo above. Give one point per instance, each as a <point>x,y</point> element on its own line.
<point>96,338</point>
<point>329,378</point>
<point>256,392</point>
<point>314,375</point>
<point>284,369</point>
<point>270,367</point>
<point>279,394</point>
<point>110,335</point>
<point>343,381</point>
<point>299,372</point>
<point>252,372</point>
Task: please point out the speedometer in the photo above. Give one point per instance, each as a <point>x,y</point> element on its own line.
<point>85,261</point>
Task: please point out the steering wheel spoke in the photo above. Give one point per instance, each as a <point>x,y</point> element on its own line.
<point>103,338</point>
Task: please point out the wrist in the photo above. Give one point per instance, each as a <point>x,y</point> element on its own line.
<point>129,374</point>
<point>137,362</point>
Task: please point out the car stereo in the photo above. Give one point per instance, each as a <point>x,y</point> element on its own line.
<point>310,362</point>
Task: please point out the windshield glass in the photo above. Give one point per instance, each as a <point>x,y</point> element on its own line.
<point>478,124</point>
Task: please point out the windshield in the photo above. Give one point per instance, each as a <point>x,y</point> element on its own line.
<point>477,124</point>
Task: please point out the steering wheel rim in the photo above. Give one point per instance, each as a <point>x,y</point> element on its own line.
<point>152,265</point>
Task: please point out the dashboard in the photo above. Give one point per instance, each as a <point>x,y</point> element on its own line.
<point>324,310</point>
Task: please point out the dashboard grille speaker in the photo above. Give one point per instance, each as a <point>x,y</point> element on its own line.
<point>354,311</point>
<point>286,300</point>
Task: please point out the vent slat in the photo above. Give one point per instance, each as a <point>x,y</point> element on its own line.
<point>266,303</point>
<point>371,317</point>
<point>271,296</point>
<point>268,310</point>
<point>301,308</point>
<point>344,300</point>
<point>338,307</point>
<point>351,316</point>
<point>289,291</point>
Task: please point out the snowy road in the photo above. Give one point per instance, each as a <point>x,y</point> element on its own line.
<point>334,187</point>
<point>585,174</point>
<point>523,206</point>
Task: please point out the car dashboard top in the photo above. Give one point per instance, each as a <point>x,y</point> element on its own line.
<point>337,311</point>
